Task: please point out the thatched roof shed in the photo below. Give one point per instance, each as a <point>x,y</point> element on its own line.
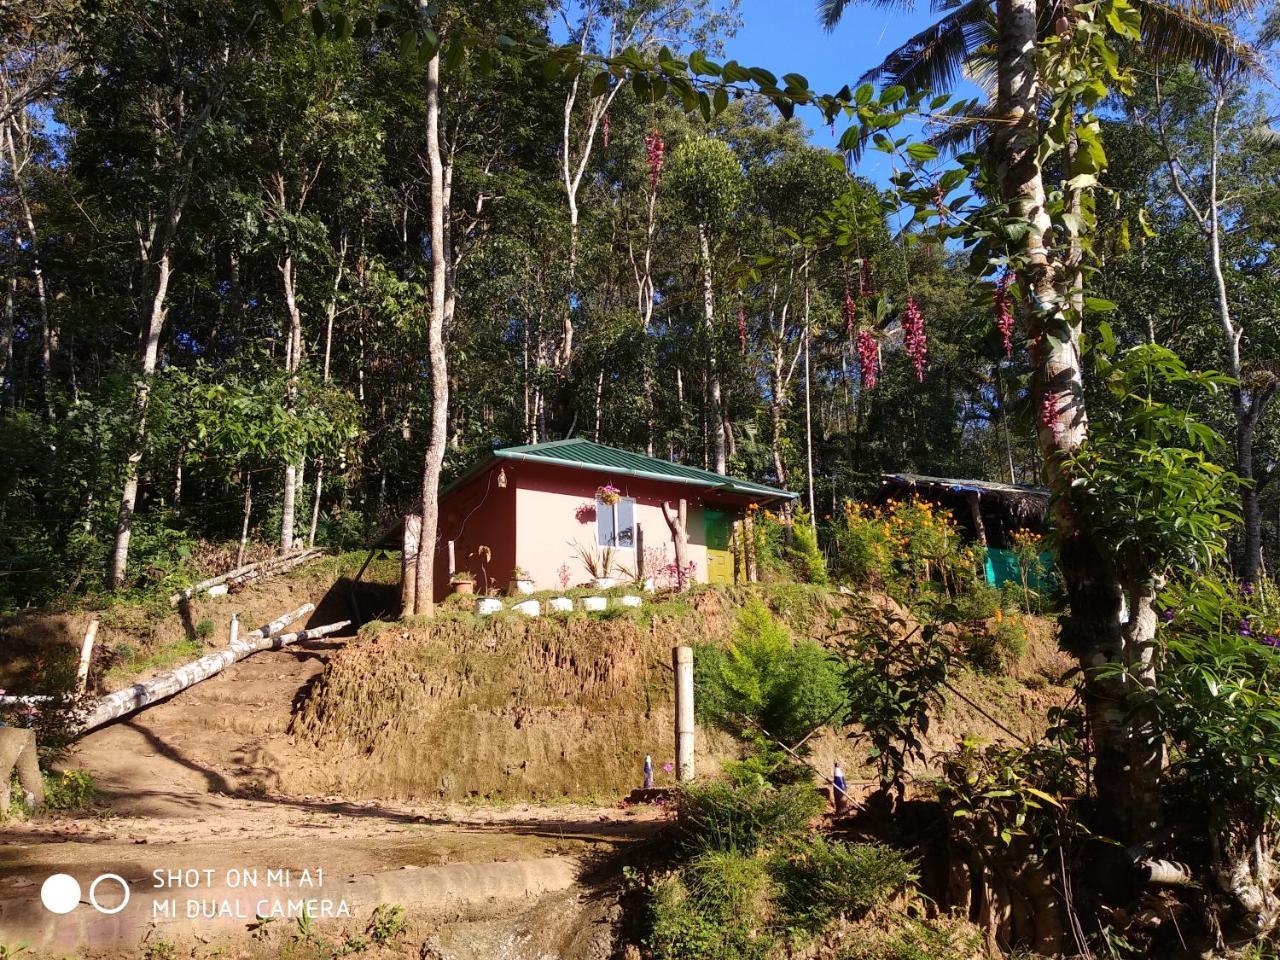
<point>988,510</point>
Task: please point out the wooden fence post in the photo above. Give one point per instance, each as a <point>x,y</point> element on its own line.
<point>682,661</point>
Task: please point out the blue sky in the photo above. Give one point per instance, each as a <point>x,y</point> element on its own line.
<point>785,36</point>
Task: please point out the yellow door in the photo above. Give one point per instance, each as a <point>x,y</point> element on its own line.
<point>718,528</point>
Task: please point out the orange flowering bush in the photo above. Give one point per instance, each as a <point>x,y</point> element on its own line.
<point>903,540</point>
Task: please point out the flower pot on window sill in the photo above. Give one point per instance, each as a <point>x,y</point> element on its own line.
<point>604,583</point>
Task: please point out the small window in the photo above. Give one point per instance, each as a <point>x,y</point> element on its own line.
<point>625,537</point>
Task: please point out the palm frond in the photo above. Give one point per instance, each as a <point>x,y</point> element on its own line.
<point>830,12</point>
<point>965,133</point>
<point>1177,32</point>
<point>936,57</point>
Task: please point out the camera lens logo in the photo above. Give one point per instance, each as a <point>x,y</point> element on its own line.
<point>61,893</point>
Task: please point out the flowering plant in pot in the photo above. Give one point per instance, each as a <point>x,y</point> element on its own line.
<point>609,495</point>
<point>463,582</point>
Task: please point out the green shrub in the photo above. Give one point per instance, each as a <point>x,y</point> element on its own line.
<point>822,879</point>
<point>788,688</point>
<point>204,630</point>
<point>997,649</point>
<point>807,561</point>
<point>979,601</point>
<point>743,818</point>
<point>685,925</point>
<point>69,790</point>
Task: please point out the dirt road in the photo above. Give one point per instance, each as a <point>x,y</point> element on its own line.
<point>193,784</point>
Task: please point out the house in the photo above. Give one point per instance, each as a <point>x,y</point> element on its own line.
<point>986,511</point>
<point>536,507</point>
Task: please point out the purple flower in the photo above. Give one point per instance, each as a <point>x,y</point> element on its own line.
<point>668,767</point>
<point>1271,641</point>
<point>1246,587</point>
<point>1167,616</point>
<point>1244,629</point>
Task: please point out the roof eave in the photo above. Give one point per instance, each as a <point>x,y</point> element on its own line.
<point>766,493</point>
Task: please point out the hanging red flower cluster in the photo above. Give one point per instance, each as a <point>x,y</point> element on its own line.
<point>850,312</point>
<point>604,130</point>
<point>654,149</point>
<point>913,330</point>
<point>1049,412</point>
<point>1005,312</point>
<point>868,358</point>
<point>742,329</point>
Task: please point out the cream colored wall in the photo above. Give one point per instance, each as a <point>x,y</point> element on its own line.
<point>548,521</point>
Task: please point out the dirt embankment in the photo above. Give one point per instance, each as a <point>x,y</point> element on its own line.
<point>513,709</point>
<point>39,650</point>
<point>498,709</point>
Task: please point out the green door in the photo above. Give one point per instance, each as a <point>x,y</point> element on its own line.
<point>718,529</point>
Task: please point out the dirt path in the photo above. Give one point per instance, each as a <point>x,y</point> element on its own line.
<point>227,735</point>
<point>194,784</point>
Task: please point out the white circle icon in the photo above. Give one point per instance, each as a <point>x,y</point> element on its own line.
<point>60,893</point>
<point>93,894</point>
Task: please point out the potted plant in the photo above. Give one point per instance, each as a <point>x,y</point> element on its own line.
<point>521,582</point>
<point>601,564</point>
<point>463,582</point>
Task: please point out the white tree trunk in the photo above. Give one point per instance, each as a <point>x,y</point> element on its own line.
<point>140,695</point>
<point>433,461</point>
<point>714,415</point>
<point>142,397</point>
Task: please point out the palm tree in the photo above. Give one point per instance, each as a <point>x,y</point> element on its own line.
<point>998,42</point>
<point>996,45</point>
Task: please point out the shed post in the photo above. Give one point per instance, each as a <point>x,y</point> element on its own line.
<point>682,661</point>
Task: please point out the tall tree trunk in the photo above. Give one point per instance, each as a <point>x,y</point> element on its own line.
<point>808,405</point>
<point>433,461</point>
<point>6,344</point>
<point>1127,759</point>
<point>714,415</point>
<point>141,401</point>
<point>292,361</point>
<point>48,335</point>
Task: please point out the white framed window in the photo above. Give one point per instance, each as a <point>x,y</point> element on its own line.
<point>624,538</point>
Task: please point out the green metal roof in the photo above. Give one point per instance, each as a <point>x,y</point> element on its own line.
<point>585,455</point>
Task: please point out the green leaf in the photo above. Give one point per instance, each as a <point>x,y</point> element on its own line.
<point>1098,305</point>
<point>454,56</point>
<point>863,94</point>
<point>317,22</point>
<point>893,94</point>
<point>719,101</point>
<point>408,43</point>
<point>922,152</point>
<point>429,46</point>
<point>599,84</point>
